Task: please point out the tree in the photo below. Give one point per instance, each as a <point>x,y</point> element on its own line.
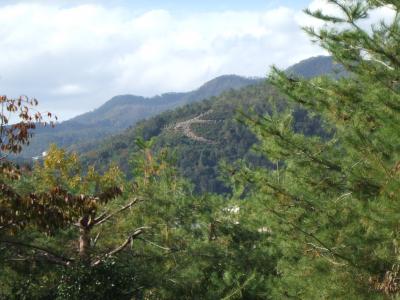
<point>58,196</point>
<point>18,118</point>
<point>332,202</point>
<point>61,252</point>
<point>197,247</point>
<point>37,208</point>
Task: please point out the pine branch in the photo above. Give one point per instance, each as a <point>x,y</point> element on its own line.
<point>329,249</point>
<point>305,151</point>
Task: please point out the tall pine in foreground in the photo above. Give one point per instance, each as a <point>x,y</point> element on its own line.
<point>332,204</point>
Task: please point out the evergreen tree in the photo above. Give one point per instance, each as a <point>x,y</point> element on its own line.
<point>197,247</point>
<point>332,203</point>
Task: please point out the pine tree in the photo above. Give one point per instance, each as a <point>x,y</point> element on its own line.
<point>333,203</point>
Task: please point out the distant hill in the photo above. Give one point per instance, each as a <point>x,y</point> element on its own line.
<point>108,133</point>
<point>202,134</point>
<point>315,66</point>
<point>123,111</point>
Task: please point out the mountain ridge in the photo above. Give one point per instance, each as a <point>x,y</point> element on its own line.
<point>123,111</point>
<point>210,88</point>
<point>316,66</point>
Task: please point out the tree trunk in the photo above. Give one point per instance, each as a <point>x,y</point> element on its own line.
<point>84,242</point>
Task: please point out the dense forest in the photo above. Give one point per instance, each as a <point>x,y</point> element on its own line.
<point>285,189</point>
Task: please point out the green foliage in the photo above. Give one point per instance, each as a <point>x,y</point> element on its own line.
<point>190,247</point>
<point>24,281</point>
<point>51,201</point>
<point>194,247</point>
<point>62,194</point>
<point>114,279</point>
<point>331,202</point>
<point>63,170</point>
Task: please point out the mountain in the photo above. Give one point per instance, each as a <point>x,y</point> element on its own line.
<point>203,134</point>
<point>123,111</point>
<point>316,66</point>
<point>200,133</point>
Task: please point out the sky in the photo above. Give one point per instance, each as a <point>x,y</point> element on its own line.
<point>74,55</point>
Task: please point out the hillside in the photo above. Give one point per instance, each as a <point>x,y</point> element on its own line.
<point>221,138</point>
<point>205,133</point>
<point>316,66</point>
<point>123,111</point>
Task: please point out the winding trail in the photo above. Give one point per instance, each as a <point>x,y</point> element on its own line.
<point>185,127</point>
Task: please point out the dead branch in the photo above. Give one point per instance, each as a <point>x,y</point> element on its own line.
<point>104,217</point>
<point>94,242</point>
<point>154,244</point>
<point>45,253</point>
<point>133,236</point>
<point>7,225</point>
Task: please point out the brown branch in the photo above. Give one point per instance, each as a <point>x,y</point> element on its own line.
<point>7,225</point>
<point>104,217</point>
<point>133,236</point>
<point>48,254</point>
<point>154,244</point>
<point>53,259</point>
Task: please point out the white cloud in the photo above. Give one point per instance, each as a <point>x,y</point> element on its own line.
<point>69,89</point>
<point>75,58</point>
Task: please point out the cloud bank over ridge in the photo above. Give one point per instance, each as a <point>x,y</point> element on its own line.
<point>74,58</point>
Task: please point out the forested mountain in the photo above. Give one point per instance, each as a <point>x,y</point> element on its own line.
<point>123,111</point>
<point>205,133</point>
<point>316,66</point>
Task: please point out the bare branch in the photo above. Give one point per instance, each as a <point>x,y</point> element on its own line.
<point>99,218</point>
<point>7,225</point>
<point>154,244</point>
<point>53,259</point>
<point>94,242</point>
<point>46,253</point>
<point>104,217</point>
<point>133,236</point>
